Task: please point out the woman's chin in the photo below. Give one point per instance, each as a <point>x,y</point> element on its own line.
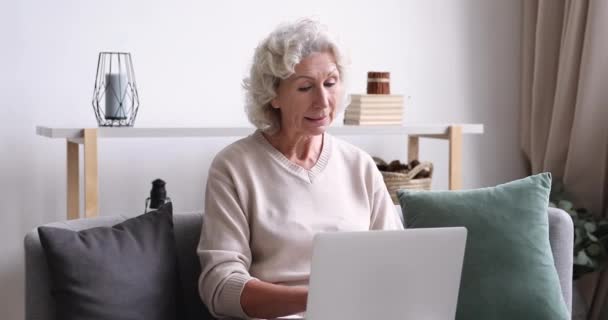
<point>317,125</point>
<point>316,131</point>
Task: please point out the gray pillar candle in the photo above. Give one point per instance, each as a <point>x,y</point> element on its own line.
<point>116,86</point>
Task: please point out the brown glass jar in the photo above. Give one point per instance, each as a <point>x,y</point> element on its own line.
<point>378,82</point>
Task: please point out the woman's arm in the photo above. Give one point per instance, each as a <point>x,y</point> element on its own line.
<point>223,250</point>
<point>384,215</point>
<point>225,285</point>
<point>266,300</point>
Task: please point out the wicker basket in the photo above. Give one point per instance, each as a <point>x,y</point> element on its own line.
<point>399,180</point>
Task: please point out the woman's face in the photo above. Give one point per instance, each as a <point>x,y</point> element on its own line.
<point>308,98</point>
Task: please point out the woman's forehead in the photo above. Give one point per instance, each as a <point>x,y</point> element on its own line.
<point>316,65</point>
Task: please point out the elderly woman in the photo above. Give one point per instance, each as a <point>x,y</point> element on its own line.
<point>268,194</point>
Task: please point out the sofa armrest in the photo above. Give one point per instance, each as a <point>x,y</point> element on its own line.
<point>561,237</point>
<point>38,300</point>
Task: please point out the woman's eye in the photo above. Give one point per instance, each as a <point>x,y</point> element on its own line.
<point>329,84</point>
<point>304,89</point>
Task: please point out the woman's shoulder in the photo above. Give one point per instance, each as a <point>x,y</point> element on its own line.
<point>353,157</point>
<point>355,161</point>
<point>350,151</point>
<point>239,151</point>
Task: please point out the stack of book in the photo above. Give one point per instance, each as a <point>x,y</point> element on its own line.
<point>374,109</point>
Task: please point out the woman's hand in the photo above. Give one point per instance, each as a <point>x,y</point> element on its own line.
<point>266,300</point>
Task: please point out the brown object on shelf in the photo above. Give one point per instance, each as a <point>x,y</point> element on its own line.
<point>378,82</point>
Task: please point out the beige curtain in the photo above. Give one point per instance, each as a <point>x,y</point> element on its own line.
<point>564,109</point>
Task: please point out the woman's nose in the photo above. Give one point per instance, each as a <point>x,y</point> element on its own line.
<point>322,98</point>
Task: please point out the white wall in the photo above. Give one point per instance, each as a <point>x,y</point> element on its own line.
<point>457,61</point>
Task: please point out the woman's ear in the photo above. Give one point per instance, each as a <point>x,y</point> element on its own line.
<point>274,104</point>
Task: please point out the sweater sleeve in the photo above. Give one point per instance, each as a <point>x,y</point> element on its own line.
<point>223,249</point>
<point>384,215</point>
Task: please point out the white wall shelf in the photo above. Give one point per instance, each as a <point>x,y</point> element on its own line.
<point>88,138</point>
<point>175,132</point>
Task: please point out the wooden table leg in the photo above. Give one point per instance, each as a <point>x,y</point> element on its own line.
<point>412,148</point>
<point>73,181</point>
<point>455,137</point>
<point>91,181</point>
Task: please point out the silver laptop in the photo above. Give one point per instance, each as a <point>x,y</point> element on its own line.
<point>411,274</point>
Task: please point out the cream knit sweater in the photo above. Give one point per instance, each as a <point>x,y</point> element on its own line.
<point>262,211</point>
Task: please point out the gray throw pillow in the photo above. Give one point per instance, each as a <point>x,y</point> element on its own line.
<point>124,272</point>
<point>508,270</point>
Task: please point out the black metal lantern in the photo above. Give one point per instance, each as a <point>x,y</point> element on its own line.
<point>115,98</point>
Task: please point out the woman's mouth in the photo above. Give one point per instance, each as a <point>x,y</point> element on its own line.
<point>315,118</point>
<point>319,121</point>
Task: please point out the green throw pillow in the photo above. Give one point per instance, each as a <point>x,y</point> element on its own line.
<point>508,270</point>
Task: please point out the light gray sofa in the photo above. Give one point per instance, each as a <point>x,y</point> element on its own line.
<point>39,303</point>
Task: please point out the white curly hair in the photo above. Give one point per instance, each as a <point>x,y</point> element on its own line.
<point>275,58</point>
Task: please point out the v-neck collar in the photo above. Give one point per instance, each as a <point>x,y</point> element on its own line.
<point>307,175</point>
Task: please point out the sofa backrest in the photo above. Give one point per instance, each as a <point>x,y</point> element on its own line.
<point>187,227</point>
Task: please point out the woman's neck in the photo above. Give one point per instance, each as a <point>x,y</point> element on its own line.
<point>302,150</point>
